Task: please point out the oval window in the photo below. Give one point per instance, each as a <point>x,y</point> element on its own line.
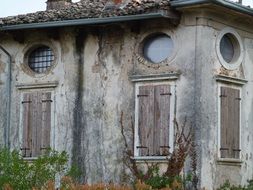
<point>157,48</point>
<point>41,59</point>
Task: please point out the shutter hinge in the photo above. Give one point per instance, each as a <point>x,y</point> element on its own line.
<point>224,148</point>
<point>238,98</point>
<point>24,102</point>
<point>25,152</point>
<point>164,146</point>
<point>141,147</point>
<point>223,95</point>
<point>46,100</point>
<point>140,95</point>
<point>164,94</point>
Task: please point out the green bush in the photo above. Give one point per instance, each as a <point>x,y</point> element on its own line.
<point>20,174</point>
<point>228,186</point>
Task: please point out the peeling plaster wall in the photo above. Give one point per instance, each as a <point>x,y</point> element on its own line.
<point>213,173</point>
<point>4,60</point>
<point>92,90</point>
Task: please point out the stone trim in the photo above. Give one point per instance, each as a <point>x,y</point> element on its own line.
<point>156,159</point>
<point>238,47</point>
<point>229,79</point>
<point>37,86</point>
<point>229,162</point>
<point>155,77</point>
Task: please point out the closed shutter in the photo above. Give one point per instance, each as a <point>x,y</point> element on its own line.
<point>162,118</point>
<point>46,120</point>
<point>230,122</point>
<point>153,120</point>
<point>27,125</point>
<point>36,123</point>
<point>146,119</point>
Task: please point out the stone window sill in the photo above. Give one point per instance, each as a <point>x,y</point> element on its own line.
<point>229,161</point>
<point>30,159</point>
<point>156,159</point>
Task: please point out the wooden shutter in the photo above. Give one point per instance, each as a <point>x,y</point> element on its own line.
<point>36,123</point>
<point>27,125</point>
<point>36,127</point>
<point>162,118</point>
<point>46,120</point>
<point>230,122</point>
<point>153,120</point>
<point>146,119</point>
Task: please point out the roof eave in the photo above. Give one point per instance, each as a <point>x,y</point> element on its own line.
<point>231,5</point>
<point>86,21</point>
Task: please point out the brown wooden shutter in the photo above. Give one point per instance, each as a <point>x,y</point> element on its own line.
<point>146,120</point>
<point>36,118</point>
<point>27,125</point>
<point>230,122</point>
<point>162,118</point>
<point>154,117</point>
<point>36,123</point>
<point>46,120</point>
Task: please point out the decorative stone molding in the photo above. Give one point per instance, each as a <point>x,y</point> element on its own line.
<point>155,77</point>
<point>228,79</point>
<point>238,49</point>
<point>37,85</point>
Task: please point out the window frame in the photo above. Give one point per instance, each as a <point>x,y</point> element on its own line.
<point>148,42</point>
<point>219,121</point>
<point>171,122</point>
<point>52,122</point>
<point>176,40</point>
<point>238,49</point>
<point>29,49</point>
<point>49,58</point>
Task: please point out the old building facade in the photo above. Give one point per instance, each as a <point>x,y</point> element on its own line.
<point>76,76</point>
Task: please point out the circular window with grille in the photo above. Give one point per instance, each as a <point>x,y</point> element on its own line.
<point>40,59</point>
<point>157,47</point>
<point>229,49</point>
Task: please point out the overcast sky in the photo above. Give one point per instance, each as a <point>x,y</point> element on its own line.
<point>15,7</point>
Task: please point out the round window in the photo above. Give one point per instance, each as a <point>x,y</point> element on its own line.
<point>157,48</point>
<point>41,59</point>
<point>229,49</point>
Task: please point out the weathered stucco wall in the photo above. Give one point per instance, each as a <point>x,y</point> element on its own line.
<point>4,60</point>
<point>213,171</point>
<point>92,89</point>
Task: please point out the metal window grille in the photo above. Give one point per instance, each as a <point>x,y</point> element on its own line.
<point>41,59</point>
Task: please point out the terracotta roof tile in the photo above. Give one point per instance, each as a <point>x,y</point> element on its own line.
<point>88,9</point>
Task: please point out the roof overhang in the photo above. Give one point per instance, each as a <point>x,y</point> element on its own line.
<point>90,21</point>
<point>223,3</point>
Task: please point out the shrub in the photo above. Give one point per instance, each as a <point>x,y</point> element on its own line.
<point>16,173</point>
<point>228,186</point>
<point>172,178</point>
